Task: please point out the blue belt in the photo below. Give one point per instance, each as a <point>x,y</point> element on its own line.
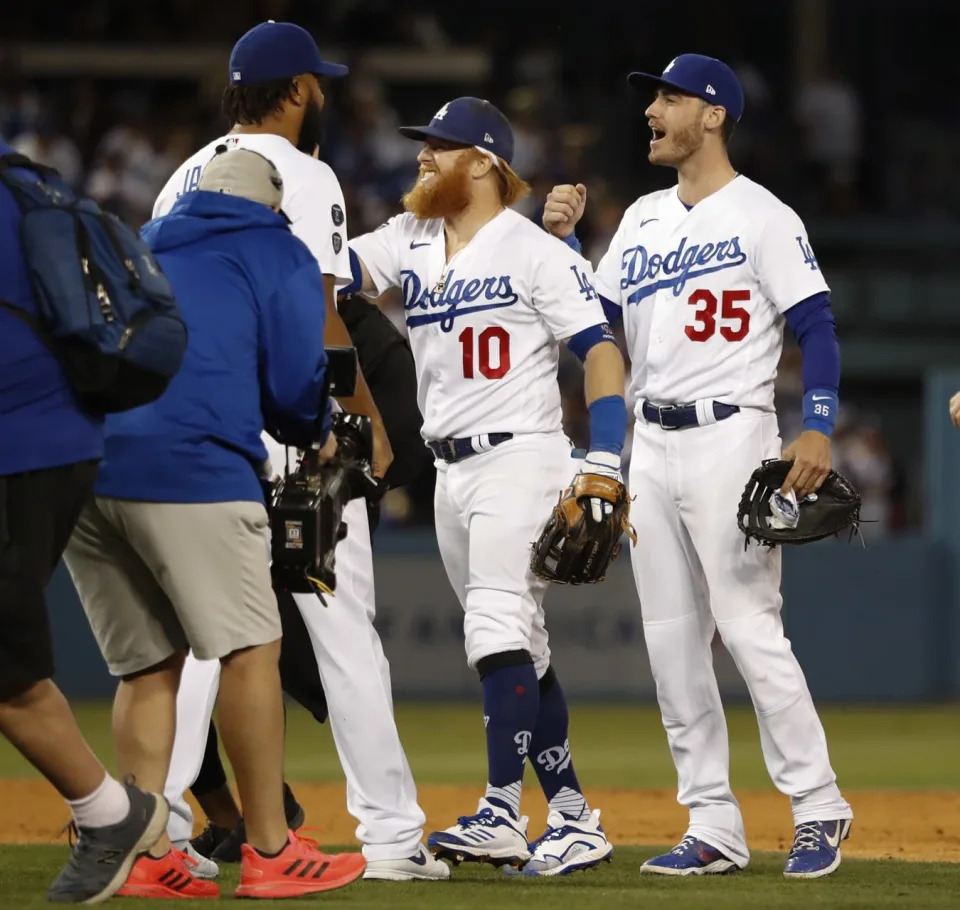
<point>451,450</point>
<point>677,417</point>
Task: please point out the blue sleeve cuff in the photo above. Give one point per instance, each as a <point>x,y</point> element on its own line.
<point>581,343</point>
<point>573,242</point>
<point>612,311</point>
<point>820,410</point>
<point>356,273</point>
<point>608,424</point>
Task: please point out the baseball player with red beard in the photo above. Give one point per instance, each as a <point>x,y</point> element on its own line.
<point>488,299</point>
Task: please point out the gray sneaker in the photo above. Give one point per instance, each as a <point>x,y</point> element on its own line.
<point>102,857</point>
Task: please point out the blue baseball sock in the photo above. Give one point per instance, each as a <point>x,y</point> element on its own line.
<point>511,698</point>
<point>550,752</point>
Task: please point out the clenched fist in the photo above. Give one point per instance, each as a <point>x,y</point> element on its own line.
<point>564,208</point>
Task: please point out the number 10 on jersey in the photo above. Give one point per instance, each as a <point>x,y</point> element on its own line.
<point>488,352</point>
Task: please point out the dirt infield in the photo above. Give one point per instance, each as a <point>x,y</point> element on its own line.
<point>921,825</point>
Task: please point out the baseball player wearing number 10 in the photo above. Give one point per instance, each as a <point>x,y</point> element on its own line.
<point>488,299</point>
<point>705,274</point>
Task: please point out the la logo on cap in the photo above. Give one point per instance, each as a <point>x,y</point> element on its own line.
<point>669,66</point>
<point>439,115</point>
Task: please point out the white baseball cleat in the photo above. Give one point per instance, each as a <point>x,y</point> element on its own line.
<point>419,867</point>
<point>567,846</point>
<point>491,836</point>
<point>200,866</point>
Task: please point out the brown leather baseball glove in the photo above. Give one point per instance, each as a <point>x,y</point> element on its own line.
<point>583,535</point>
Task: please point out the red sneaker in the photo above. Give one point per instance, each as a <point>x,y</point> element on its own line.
<point>166,877</point>
<point>301,868</point>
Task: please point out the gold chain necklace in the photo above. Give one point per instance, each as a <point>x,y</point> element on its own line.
<point>442,282</point>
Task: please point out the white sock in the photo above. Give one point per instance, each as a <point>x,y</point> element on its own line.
<point>570,804</point>
<point>107,805</point>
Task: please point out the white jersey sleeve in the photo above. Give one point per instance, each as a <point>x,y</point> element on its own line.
<point>379,251</point>
<point>786,269</point>
<point>316,209</point>
<point>563,291</point>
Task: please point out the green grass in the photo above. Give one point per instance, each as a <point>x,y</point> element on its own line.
<point>615,746</point>
<point>908,747</point>
<point>25,873</point>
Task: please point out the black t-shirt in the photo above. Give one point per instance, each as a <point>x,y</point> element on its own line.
<point>386,362</point>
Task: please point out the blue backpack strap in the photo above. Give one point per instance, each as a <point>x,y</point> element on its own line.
<point>50,189</point>
<point>17,185</point>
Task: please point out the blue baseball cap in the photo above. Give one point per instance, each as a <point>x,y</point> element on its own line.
<point>277,50</point>
<point>468,121</point>
<point>705,77</point>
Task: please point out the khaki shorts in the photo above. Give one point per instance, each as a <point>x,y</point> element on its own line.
<point>155,578</point>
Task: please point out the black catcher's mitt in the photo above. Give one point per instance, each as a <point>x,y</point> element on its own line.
<point>575,548</point>
<point>833,508</point>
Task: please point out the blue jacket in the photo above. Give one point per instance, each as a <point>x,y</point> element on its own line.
<point>252,297</point>
<point>41,423</point>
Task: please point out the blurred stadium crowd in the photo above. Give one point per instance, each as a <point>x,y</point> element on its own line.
<point>118,140</point>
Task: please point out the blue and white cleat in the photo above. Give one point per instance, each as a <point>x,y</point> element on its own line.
<point>691,857</point>
<point>492,836</point>
<point>816,848</point>
<point>567,846</point>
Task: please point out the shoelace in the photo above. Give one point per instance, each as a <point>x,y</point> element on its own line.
<point>298,834</point>
<point>553,834</point>
<point>72,832</point>
<point>300,840</point>
<point>484,817</point>
<point>684,845</point>
<point>75,840</point>
<point>188,862</point>
<point>807,837</point>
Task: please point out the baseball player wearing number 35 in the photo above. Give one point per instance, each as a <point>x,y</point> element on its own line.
<point>705,274</point>
<point>488,298</point>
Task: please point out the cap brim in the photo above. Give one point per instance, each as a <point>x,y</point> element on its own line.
<point>641,81</point>
<point>333,70</point>
<point>421,133</point>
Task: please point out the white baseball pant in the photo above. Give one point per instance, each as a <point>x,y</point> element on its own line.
<point>694,577</point>
<point>489,508</point>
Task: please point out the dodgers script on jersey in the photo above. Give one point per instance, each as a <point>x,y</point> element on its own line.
<point>484,327</point>
<point>703,292</point>
<point>312,198</point>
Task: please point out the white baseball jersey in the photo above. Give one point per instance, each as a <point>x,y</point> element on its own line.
<point>312,198</point>
<point>703,292</point>
<point>485,328</point>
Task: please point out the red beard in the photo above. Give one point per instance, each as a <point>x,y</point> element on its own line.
<point>440,196</point>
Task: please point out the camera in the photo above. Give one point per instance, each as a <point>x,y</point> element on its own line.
<point>306,508</point>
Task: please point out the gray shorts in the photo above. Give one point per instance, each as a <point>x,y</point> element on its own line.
<point>155,578</point>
